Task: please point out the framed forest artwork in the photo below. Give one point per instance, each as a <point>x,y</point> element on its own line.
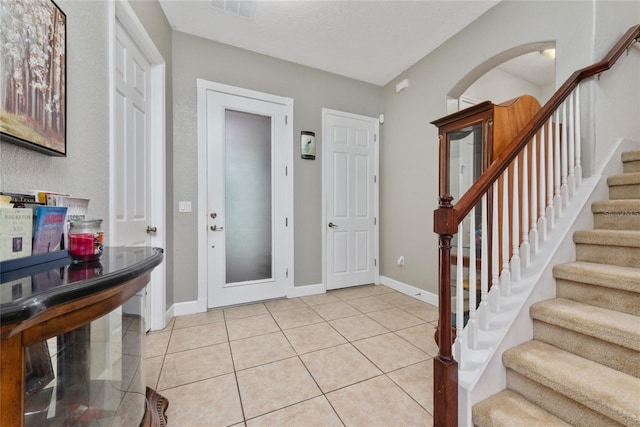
<point>33,73</point>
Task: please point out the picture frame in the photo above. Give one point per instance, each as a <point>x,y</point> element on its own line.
<point>308,145</point>
<point>33,86</point>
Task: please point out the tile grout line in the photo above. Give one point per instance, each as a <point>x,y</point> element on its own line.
<point>323,394</point>
<point>299,355</point>
<point>235,372</point>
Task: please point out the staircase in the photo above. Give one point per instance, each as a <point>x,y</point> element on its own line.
<point>583,365</point>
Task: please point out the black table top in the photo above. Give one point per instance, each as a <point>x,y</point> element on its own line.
<point>25,292</point>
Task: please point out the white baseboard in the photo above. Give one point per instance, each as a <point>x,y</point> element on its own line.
<point>189,307</point>
<point>169,315</point>
<point>410,290</point>
<point>306,290</point>
<point>200,306</point>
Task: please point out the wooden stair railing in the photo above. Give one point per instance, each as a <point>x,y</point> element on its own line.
<point>448,217</point>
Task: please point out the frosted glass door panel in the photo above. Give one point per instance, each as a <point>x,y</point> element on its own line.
<point>248,197</point>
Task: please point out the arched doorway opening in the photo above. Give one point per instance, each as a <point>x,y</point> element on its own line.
<point>527,69</point>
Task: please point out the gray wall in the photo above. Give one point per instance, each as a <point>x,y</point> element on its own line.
<point>312,90</point>
<point>409,152</point>
<point>499,86</point>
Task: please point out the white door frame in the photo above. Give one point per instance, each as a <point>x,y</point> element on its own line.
<point>202,87</point>
<point>325,157</point>
<point>122,11</point>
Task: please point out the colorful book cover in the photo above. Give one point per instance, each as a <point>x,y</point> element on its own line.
<point>48,227</point>
<point>15,233</point>
<point>77,209</point>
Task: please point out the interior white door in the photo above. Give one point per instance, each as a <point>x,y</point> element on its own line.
<point>132,147</point>
<point>350,191</point>
<point>247,203</point>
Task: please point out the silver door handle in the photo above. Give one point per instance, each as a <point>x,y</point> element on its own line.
<point>332,225</point>
<point>216,228</point>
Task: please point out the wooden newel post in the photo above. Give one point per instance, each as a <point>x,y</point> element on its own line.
<point>445,368</point>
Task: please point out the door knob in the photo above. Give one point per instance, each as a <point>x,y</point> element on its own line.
<point>152,229</point>
<point>216,228</point>
<point>332,225</point>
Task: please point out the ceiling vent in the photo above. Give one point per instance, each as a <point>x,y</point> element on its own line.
<point>242,8</point>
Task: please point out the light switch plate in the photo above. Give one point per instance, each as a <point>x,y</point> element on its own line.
<point>184,206</point>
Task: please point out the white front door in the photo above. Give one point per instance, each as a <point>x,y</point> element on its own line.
<point>247,196</point>
<point>350,150</point>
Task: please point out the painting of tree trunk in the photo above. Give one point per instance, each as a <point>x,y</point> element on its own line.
<point>33,75</point>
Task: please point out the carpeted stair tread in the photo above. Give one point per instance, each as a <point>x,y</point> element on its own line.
<point>631,156</point>
<point>616,206</point>
<point>508,409</point>
<point>617,247</point>
<point>606,325</point>
<point>626,238</point>
<point>631,161</point>
<point>604,390</point>
<point>605,275</point>
<point>623,214</point>
<point>624,179</point>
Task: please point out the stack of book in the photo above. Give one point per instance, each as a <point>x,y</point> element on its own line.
<point>37,223</point>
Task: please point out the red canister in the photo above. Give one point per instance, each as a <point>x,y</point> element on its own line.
<point>85,240</point>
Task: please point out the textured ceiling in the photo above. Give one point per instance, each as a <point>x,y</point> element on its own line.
<point>372,41</point>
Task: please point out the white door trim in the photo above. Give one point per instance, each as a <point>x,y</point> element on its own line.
<point>122,11</point>
<point>202,87</point>
<point>324,157</point>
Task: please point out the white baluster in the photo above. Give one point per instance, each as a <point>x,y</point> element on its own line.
<point>571,179</point>
<point>551,213</point>
<point>533,233</point>
<point>578,139</point>
<point>564,161</point>
<point>542,220</point>
<point>472,333</point>
<point>459,343</point>
<point>494,294</point>
<point>557,198</point>
<point>525,254</point>
<point>505,274</point>
<point>483,315</point>
<point>515,225</point>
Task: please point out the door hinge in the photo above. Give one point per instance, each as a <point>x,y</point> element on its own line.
<point>286,171</point>
<point>286,222</point>
<point>375,262</point>
<point>286,120</point>
<point>375,221</point>
<point>375,137</point>
<point>375,179</point>
<point>286,273</point>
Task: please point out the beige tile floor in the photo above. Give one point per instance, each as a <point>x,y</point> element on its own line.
<point>360,356</point>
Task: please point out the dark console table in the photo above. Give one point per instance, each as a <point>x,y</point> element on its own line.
<point>72,341</point>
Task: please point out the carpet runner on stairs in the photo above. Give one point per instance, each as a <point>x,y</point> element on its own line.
<point>583,366</point>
